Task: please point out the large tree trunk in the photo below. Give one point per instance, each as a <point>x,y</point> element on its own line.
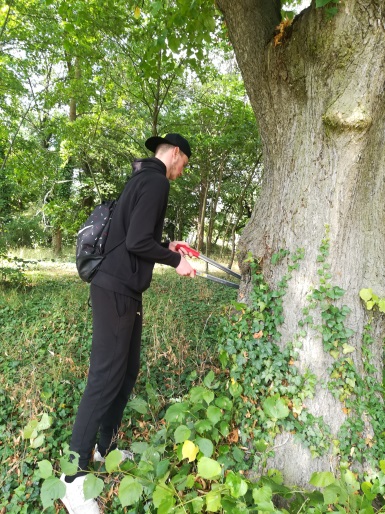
<point>318,97</point>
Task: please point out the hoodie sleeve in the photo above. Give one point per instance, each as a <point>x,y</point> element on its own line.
<point>146,223</point>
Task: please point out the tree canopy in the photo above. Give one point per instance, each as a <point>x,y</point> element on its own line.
<point>83,84</point>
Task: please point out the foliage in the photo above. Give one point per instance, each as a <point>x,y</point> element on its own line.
<point>185,467</point>
<point>46,334</point>
<point>195,445</point>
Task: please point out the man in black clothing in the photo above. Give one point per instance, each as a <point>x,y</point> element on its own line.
<point>116,294</point>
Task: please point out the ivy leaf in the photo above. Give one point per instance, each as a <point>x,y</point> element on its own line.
<point>275,408</point>
<point>130,491</point>
<point>335,354</point>
<point>189,451</point>
<point>347,348</point>
<point>92,487</point>
<point>209,468</point>
<point>366,294</point>
<point>381,305</point>
<point>322,478</point>
<point>52,489</point>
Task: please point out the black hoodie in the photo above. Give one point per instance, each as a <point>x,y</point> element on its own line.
<point>138,217</point>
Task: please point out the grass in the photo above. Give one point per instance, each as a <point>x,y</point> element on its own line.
<point>45,335</point>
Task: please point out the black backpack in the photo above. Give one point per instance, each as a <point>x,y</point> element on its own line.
<point>91,240</point>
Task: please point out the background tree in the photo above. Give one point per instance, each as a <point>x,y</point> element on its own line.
<point>316,87</point>
<point>89,84</point>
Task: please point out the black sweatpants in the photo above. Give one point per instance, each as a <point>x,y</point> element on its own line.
<point>114,367</point>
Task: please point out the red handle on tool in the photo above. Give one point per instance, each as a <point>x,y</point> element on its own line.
<point>195,253</point>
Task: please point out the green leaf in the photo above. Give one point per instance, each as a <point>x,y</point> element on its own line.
<point>331,493</point>
<point>208,380</point>
<point>224,403</point>
<point>93,486</point>
<point>235,389</point>
<point>209,468</point>
<point>238,487</point>
<point>214,414</point>
<point>275,408</point>
<point>113,460</point>
<point>213,501</point>
<point>262,498</point>
<point>139,447</point>
<point>205,446</point>
<point>351,481</point>
<point>366,294</point>
<point>197,505</point>
<point>322,478</point>
<point>347,348</point>
<point>322,3</point>
<point>45,468</point>
<point>39,441</point>
<point>162,494</point>
<point>176,412</point>
<point>162,467</point>
<point>52,489</point>
<point>203,425</point>
<point>30,430</point>
<point>130,491</point>
<point>367,490</point>
<point>181,434</point>
<point>45,422</point>
<point>67,467</point>
<point>201,393</point>
<point>381,305</point>
<point>139,405</point>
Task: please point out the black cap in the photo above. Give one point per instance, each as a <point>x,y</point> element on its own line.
<point>171,139</point>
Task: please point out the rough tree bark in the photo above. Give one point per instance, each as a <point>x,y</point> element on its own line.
<point>318,97</point>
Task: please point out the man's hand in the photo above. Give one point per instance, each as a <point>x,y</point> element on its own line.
<point>183,251</point>
<point>184,269</point>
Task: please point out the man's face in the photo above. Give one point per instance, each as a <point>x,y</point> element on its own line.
<point>179,162</point>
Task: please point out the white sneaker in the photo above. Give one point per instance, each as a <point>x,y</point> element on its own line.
<point>126,455</point>
<point>74,500</point>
